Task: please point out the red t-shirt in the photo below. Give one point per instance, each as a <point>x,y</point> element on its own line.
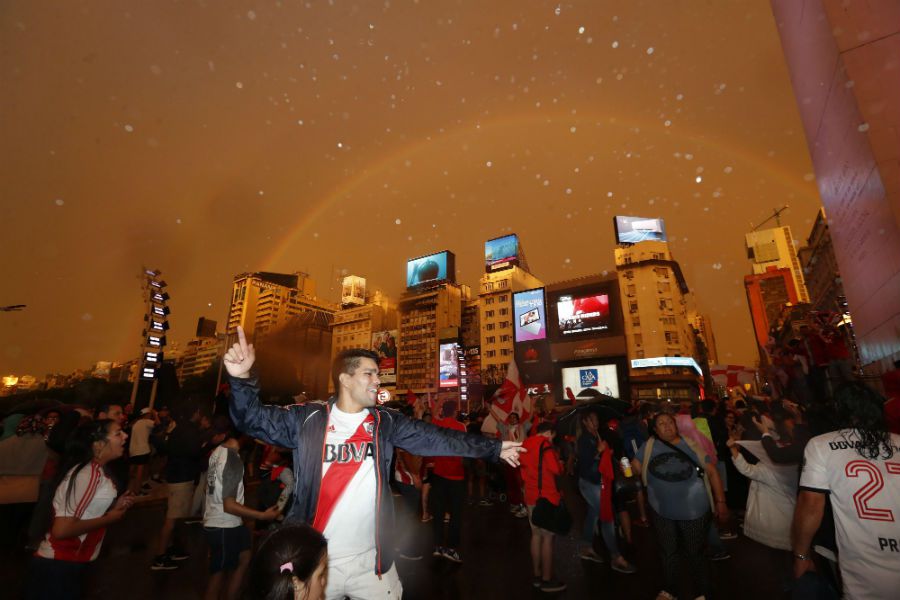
<point>449,467</point>
<point>551,467</point>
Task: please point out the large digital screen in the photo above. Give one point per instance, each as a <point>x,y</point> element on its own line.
<point>631,230</point>
<point>430,269</point>
<point>384,344</point>
<point>582,314</point>
<point>587,381</point>
<point>530,315</point>
<point>666,361</point>
<point>501,253</point>
<point>448,375</point>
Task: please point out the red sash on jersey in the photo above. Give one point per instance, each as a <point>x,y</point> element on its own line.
<point>338,477</point>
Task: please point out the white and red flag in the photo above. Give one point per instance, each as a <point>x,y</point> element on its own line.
<point>511,397</point>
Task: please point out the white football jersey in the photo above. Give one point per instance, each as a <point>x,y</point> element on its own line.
<point>865,497</point>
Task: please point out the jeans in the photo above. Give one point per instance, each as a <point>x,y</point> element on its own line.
<point>591,494</point>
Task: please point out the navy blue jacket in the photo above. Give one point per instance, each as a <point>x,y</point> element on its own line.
<point>302,428</point>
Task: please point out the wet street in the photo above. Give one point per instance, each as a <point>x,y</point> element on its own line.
<point>494,550</point>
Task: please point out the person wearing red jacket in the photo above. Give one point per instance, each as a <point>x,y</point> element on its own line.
<point>541,443</point>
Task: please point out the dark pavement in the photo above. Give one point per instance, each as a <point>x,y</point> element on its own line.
<point>495,553</point>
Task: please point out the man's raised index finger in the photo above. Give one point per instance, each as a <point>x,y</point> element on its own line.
<point>242,338</point>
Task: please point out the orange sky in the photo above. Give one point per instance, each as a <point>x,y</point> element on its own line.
<point>211,138</point>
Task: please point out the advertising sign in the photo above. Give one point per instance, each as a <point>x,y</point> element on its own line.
<point>631,230</point>
<point>600,378</point>
<point>530,315</point>
<point>666,361</point>
<point>430,269</point>
<point>583,314</point>
<point>501,253</point>
<point>448,364</point>
<point>384,344</point>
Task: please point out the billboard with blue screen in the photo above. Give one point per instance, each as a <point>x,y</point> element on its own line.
<point>501,253</point>
<point>433,268</point>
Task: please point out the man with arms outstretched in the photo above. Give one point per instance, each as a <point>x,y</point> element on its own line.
<point>342,455</point>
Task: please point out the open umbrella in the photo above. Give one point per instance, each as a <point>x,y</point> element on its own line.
<point>568,422</point>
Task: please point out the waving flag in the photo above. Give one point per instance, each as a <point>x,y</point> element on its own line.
<point>509,398</point>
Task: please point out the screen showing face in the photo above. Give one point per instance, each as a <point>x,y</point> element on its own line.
<point>631,230</point>
<point>528,307</point>
<point>426,269</point>
<point>583,314</point>
<point>587,382</point>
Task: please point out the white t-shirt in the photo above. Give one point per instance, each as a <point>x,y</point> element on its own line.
<point>92,495</point>
<point>865,497</point>
<point>224,479</point>
<point>139,443</point>
<point>346,510</point>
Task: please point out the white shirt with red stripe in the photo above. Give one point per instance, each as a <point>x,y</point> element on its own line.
<point>401,473</point>
<point>346,510</point>
<point>92,495</point>
<point>865,498</point>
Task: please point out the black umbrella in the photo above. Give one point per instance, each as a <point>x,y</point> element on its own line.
<point>567,424</point>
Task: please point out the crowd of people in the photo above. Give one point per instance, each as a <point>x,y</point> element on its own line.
<point>342,488</point>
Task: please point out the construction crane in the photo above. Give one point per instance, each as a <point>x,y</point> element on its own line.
<point>12,307</point>
<point>776,214</point>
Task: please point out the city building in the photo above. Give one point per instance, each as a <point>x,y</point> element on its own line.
<point>202,352</point>
<point>290,327</point>
<point>820,269</point>
<point>767,294</point>
<point>775,248</point>
<point>263,302</point>
<point>425,313</point>
<point>664,361</point>
<point>495,315</point>
<point>702,325</point>
<point>362,317</point>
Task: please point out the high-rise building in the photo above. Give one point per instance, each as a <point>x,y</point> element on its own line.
<point>774,247</point>
<point>201,354</point>
<point>424,314</point>
<point>495,312</point>
<point>767,294</point>
<point>355,323</point>
<point>290,327</point>
<point>263,302</point>
<point>702,324</point>
<point>662,351</point>
<point>820,268</point>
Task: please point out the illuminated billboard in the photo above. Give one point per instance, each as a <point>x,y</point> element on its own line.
<point>582,314</point>
<point>384,344</point>
<point>501,253</point>
<point>448,362</point>
<point>433,268</point>
<point>530,315</point>
<point>588,381</point>
<point>631,230</point>
<point>666,361</point>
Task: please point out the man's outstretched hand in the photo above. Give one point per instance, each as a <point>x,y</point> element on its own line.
<point>240,357</point>
<point>510,451</point>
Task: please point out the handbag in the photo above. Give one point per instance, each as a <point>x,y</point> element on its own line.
<point>701,472</point>
<point>546,515</point>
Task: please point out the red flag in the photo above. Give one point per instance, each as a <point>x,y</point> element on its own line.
<point>411,397</point>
